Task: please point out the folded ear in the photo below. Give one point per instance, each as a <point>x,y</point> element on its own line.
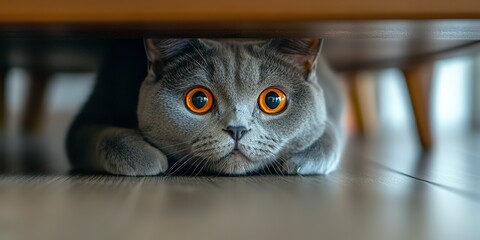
<point>163,50</point>
<point>301,52</point>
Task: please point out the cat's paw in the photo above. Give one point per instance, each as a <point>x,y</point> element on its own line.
<point>125,152</point>
<point>299,165</point>
<point>318,166</point>
<point>321,158</point>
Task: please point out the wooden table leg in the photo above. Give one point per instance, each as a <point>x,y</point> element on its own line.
<point>34,107</point>
<point>418,78</point>
<point>355,104</point>
<point>363,97</point>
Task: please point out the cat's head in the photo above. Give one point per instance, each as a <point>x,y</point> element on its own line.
<point>231,107</point>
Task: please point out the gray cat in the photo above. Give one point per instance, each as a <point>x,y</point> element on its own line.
<point>227,107</point>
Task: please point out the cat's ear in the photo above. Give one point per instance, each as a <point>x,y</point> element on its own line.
<point>302,53</point>
<point>162,50</point>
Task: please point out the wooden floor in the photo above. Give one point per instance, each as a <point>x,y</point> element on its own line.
<point>384,189</point>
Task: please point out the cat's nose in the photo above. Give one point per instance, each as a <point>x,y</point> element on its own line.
<point>237,132</point>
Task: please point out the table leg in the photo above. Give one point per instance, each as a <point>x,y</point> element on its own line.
<point>362,91</point>
<point>34,107</point>
<point>418,78</point>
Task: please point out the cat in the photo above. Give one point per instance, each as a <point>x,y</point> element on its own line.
<point>221,106</point>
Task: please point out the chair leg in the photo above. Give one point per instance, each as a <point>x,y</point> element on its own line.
<point>34,108</point>
<point>355,104</point>
<point>363,101</point>
<point>3,100</point>
<point>418,79</point>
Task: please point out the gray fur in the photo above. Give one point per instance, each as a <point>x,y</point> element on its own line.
<point>305,138</point>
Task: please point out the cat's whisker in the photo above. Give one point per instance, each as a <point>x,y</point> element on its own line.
<point>220,167</point>
<point>171,154</point>
<point>205,163</point>
<point>191,165</point>
<point>281,173</point>
<point>280,163</point>
<point>275,168</point>
<point>269,171</point>
<point>173,145</point>
<point>177,162</point>
<point>196,165</point>
<point>182,161</point>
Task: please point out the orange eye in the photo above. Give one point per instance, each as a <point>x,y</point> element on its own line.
<point>199,100</point>
<point>272,100</point>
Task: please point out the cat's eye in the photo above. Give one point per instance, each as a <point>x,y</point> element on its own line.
<point>199,100</point>
<point>272,100</point>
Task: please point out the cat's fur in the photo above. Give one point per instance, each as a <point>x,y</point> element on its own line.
<point>137,125</point>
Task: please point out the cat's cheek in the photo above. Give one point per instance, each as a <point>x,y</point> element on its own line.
<point>277,124</point>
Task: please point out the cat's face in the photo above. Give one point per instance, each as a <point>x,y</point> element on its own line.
<point>230,107</point>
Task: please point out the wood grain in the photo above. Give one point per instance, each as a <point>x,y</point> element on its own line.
<point>29,11</point>
<point>383,188</point>
<point>248,18</point>
<point>460,29</point>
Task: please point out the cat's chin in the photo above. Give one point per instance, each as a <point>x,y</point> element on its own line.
<point>237,155</point>
<point>236,163</point>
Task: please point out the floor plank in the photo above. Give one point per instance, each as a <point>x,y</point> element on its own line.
<point>363,200</point>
